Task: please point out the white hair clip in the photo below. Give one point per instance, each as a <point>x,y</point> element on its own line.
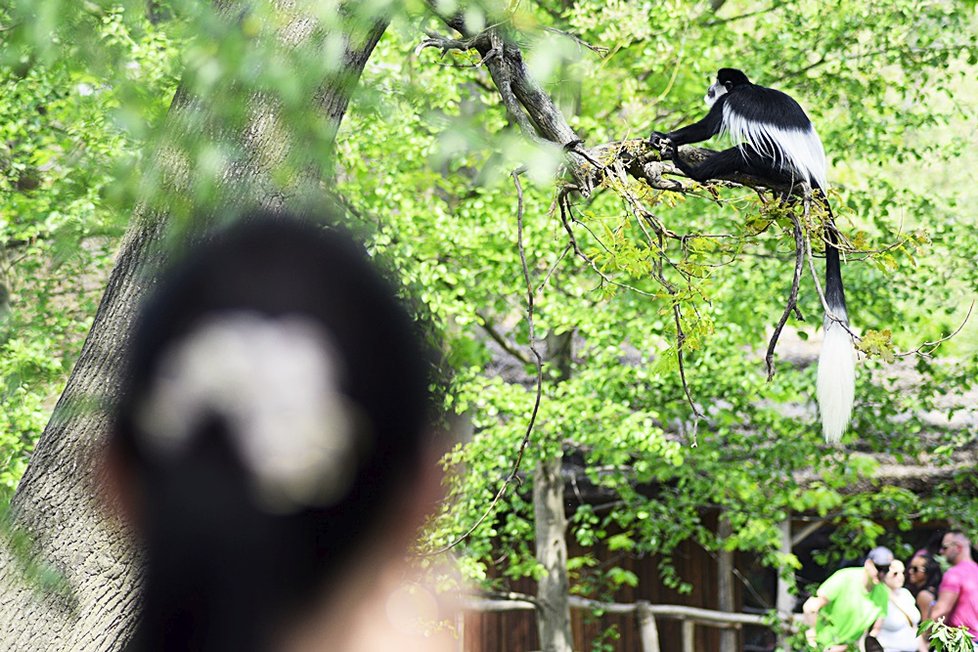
<point>274,382</point>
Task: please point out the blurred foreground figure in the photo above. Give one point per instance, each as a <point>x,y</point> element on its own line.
<point>847,610</point>
<point>272,450</point>
<point>957,596</point>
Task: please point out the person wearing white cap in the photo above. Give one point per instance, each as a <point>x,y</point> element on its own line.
<point>850,605</point>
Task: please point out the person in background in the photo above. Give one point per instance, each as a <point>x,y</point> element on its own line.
<point>957,596</point>
<point>923,578</point>
<point>273,450</point>
<point>898,633</point>
<point>848,608</point>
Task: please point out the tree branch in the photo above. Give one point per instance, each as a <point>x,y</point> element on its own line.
<point>792,297</point>
<point>498,338</point>
<point>607,164</point>
<point>528,104</point>
<point>538,361</point>
<point>932,346</point>
<point>597,49</point>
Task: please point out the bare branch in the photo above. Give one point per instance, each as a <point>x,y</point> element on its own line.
<point>553,268</point>
<point>498,338</point>
<point>680,333</point>
<point>539,380</point>
<point>680,341</point>
<point>750,14</point>
<point>932,346</point>
<point>792,304</point>
<point>530,106</point>
<point>598,49</point>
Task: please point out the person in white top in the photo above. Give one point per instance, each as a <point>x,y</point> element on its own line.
<point>899,630</point>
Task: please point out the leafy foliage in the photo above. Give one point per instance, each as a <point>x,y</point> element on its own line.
<point>61,143</point>
<point>422,163</point>
<point>756,454</point>
<point>944,638</point>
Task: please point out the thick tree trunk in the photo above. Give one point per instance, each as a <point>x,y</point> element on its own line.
<point>553,592</point>
<point>56,507</point>
<point>56,511</point>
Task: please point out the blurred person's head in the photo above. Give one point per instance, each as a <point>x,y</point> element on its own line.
<point>877,564</point>
<point>895,576</point>
<point>273,434</point>
<point>956,547</point>
<point>923,571</point>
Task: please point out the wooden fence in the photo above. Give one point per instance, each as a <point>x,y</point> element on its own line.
<point>644,612</point>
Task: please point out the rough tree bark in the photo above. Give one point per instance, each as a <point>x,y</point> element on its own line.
<point>550,522</point>
<point>94,605</point>
<point>553,591</point>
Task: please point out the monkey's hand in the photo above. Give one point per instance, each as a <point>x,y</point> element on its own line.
<point>662,143</point>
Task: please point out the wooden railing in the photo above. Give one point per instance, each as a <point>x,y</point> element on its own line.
<point>644,612</point>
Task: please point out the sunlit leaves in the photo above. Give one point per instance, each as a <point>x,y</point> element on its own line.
<point>66,124</point>
<point>422,161</point>
<point>877,343</point>
<point>945,638</point>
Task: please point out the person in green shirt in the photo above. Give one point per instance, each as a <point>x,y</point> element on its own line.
<point>849,606</point>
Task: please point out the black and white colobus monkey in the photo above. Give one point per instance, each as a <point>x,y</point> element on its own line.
<point>776,141</point>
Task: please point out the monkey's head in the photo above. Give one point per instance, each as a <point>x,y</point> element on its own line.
<point>727,79</point>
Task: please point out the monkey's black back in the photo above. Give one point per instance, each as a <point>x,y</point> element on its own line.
<point>772,126</point>
<point>767,105</point>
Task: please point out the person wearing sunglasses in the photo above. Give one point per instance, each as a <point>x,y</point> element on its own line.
<point>957,596</point>
<point>899,630</point>
<point>923,578</point>
<point>848,608</point>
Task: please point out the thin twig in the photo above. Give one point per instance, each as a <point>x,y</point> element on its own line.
<point>680,333</point>
<point>825,59</point>
<point>597,49</point>
<point>750,14</point>
<point>539,382</point>
<point>553,268</point>
<point>743,580</point>
<point>933,345</point>
<point>792,297</point>
<point>564,207</point>
<point>680,340</point>
<point>503,343</point>
<point>574,147</point>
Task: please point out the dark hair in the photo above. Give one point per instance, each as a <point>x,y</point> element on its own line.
<point>732,76</point>
<point>932,574</point>
<point>229,564</point>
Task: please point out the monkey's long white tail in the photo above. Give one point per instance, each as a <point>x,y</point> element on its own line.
<point>836,380</point>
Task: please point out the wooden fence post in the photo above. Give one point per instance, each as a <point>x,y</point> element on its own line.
<point>647,627</point>
<point>725,585</point>
<point>689,636</point>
